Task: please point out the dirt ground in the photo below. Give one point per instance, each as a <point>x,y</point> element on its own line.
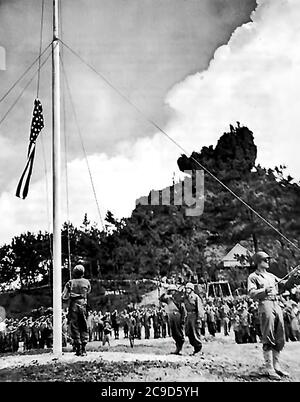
<point>221,360</point>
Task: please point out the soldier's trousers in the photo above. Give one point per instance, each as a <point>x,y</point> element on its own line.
<point>78,323</point>
<point>147,331</point>
<point>272,325</point>
<point>192,331</point>
<point>176,328</point>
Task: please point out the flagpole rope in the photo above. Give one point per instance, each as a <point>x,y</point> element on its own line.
<point>40,49</point>
<point>180,147</point>
<point>81,140</point>
<point>23,74</point>
<point>22,92</point>
<point>47,194</point>
<point>67,189</point>
<point>66,154</point>
<point>42,138</point>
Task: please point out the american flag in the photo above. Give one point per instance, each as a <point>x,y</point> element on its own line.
<point>37,124</point>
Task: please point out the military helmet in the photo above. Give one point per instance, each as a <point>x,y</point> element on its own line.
<point>190,285</point>
<point>259,256</point>
<point>78,270</point>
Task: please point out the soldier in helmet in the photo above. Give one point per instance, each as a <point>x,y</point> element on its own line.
<point>76,291</point>
<point>263,287</point>
<point>176,315</point>
<point>195,314</point>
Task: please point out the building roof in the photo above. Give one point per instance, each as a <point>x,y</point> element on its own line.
<point>229,260</point>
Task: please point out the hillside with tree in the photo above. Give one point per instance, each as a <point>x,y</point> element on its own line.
<point>161,240</point>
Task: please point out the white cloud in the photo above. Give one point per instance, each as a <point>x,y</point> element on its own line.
<point>118,182</point>
<point>253,79</point>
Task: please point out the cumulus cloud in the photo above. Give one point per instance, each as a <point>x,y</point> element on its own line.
<point>253,79</point>
<point>118,181</point>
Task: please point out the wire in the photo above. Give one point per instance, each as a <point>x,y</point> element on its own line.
<point>23,90</point>
<point>67,181</point>
<point>82,144</point>
<point>40,50</point>
<point>66,152</point>
<point>23,74</point>
<point>47,195</point>
<point>42,138</point>
<point>179,146</point>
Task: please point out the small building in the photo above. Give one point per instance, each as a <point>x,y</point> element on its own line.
<point>238,256</point>
<point>235,264</point>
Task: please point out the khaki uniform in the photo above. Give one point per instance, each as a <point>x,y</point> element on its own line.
<point>176,315</point>
<point>78,290</point>
<point>195,314</point>
<point>270,312</point>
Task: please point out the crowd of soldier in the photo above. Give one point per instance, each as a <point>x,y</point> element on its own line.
<point>30,332</point>
<point>134,322</point>
<point>241,315</point>
<point>238,314</point>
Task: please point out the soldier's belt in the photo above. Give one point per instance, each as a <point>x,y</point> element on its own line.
<point>271,298</point>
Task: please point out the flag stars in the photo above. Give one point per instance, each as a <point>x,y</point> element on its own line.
<point>37,124</point>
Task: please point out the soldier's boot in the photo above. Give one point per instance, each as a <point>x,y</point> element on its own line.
<point>77,349</point>
<point>178,349</point>
<point>83,350</point>
<point>270,371</point>
<point>276,364</point>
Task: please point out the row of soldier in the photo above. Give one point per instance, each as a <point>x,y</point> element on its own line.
<point>34,331</point>
<point>245,319</point>
<point>237,314</point>
<point>135,321</point>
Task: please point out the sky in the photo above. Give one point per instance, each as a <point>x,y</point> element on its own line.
<point>192,67</point>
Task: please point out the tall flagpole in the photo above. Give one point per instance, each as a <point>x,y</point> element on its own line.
<point>56,163</point>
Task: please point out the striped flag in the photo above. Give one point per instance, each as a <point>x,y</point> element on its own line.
<point>37,124</point>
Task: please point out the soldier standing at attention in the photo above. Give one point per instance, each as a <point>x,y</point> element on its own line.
<point>195,314</point>
<point>263,287</point>
<point>76,291</point>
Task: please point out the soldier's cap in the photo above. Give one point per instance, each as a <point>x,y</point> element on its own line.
<point>172,287</point>
<point>259,256</point>
<point>190,285</point>
<point>78,268</point>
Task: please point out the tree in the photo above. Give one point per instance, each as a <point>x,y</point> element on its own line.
<point>8,274</point>
<point>29,255</point>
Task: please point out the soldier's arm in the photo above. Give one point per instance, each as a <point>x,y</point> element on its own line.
<point>66,291</point>
<point>200,309</point>
<point>183,311</point>
<point>288,283</point>
<point>253,291</point>
<point>164,298</point>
